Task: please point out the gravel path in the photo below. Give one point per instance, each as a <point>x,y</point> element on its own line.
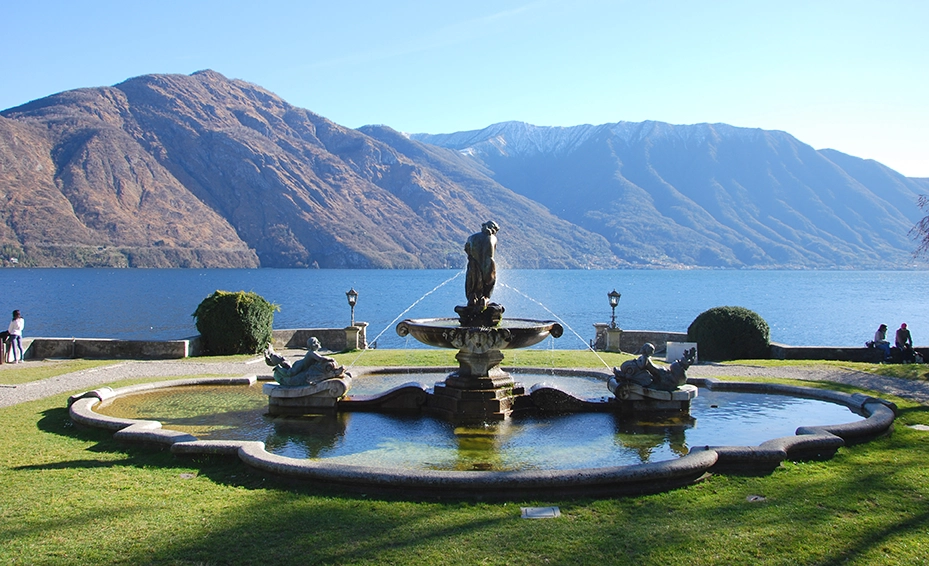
<point>91,378</point>
<point>906,388</point>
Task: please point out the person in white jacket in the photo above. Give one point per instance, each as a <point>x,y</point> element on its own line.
<point>16,336</point>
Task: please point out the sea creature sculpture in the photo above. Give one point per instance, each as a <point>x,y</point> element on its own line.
<point>311,369</point>
<point>641,371</point>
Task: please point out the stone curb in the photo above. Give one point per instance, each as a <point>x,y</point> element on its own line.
<point>810,442</point>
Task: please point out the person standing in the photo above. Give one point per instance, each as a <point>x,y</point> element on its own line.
<point>16,336</point>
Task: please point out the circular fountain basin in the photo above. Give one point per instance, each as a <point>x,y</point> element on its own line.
<point>511,333</point>
<point>657,455</point>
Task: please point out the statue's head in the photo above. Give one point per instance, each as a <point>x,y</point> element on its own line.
<point>648,349</point>
<point>490,226</point>
<point>313,344</point>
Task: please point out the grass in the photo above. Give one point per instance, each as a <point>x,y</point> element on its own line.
<point>15,374</point>
<point>75,496</point>
<point>514,358</point>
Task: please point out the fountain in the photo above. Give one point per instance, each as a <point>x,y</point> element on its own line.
<point>650,403</point>
<point>480,390</point>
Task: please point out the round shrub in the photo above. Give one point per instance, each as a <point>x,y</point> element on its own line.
<point>730,333</point>
<point>235,323</point>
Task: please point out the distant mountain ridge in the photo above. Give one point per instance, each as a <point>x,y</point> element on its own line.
<point>204,171</point>
<point>710,195</point>
<point>200,170</point>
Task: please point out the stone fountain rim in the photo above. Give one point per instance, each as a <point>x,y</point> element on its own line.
<point>817,442</point>
<point>501,325</point>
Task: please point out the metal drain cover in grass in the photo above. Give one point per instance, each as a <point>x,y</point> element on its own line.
<point>540,512</point>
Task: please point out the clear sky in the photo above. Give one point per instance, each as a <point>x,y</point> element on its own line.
<point>843,74</point>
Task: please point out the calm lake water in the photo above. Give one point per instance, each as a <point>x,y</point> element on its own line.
<point>832,308</point>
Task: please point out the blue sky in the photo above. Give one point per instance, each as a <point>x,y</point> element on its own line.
<point>848,75</point>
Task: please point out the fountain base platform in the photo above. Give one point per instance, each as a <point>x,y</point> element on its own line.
<point>485,399</point>
<point>479,390</point>
<point>635,399</point>
<point>322,397</point>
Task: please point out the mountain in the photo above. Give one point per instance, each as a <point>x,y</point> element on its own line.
<point>204,171</point>
<point>708,195</point>
<point>200,170</point>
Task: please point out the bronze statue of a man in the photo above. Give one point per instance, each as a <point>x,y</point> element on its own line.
<point>482,269</point>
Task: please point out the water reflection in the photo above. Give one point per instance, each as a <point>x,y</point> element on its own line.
<point>307,437</point>
<point>648,437</point>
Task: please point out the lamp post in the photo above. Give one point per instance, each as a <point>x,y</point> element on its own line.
<point>614,300</point>
<point>352,295</point>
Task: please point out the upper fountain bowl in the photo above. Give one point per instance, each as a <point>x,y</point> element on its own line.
<point>511,333</point>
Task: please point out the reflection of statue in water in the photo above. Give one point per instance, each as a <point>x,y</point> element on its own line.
<point>480,279</point>
<point>641,371</point>
<point>645,436</point>
<point>312,368</point>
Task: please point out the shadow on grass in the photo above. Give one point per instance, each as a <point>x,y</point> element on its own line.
<point>853,507</point>
<point>301,530</point>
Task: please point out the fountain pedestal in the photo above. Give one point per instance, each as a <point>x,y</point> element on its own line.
<point>480,390</point>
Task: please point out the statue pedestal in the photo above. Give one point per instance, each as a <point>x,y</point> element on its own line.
<point>637,399</point>
<point>607,338</point>
<point>493,401</point>
<point>479,391</point>
<point>355,336</point>
<point>313,399</point>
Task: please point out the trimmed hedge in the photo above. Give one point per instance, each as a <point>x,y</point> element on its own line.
<point>730,333</point>
<point>235,323</point>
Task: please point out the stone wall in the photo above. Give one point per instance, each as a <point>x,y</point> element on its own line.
<point>630,341</point>
<point>852,354</point>
<point>108,348</point>
<point>332,339</point>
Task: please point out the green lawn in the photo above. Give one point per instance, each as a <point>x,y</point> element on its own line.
<point>14,374</point>
<point>513,358</point>
<point>75,496</point>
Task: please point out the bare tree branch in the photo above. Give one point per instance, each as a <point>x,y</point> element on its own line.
<point>921,230</point>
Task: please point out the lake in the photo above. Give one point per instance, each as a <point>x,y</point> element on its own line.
<point>803,308</point>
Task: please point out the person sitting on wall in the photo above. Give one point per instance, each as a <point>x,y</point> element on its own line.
<point>904,343</point>
<point>311,369</point>
<point>880,341</point>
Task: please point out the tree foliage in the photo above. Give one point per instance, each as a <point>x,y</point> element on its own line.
<point>730,333</point>
<point>235,323</point>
